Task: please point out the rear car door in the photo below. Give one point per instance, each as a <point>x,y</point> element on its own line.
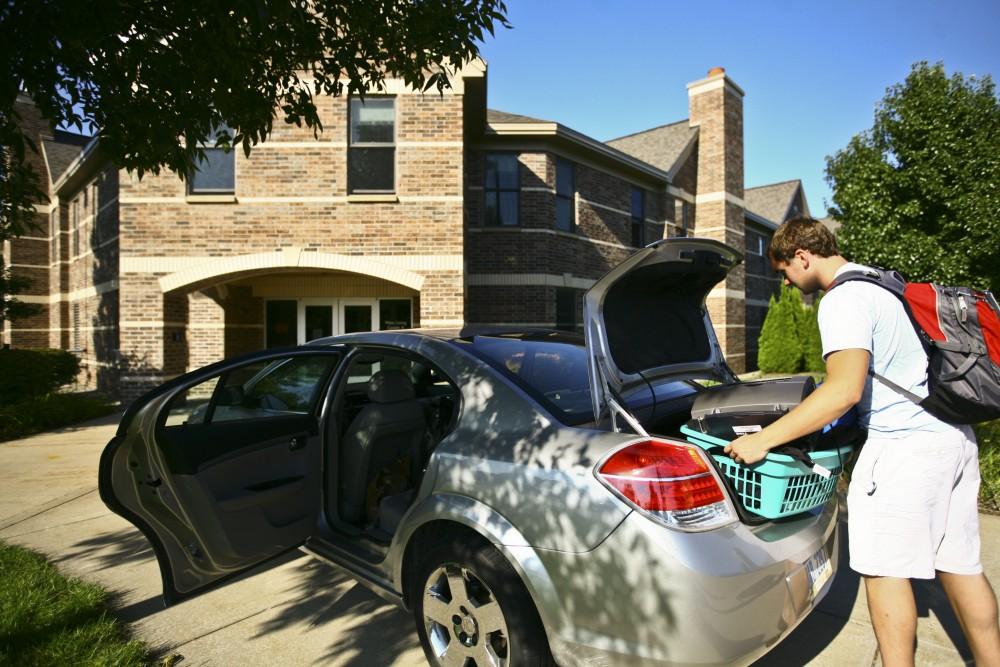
<point>221,468</point>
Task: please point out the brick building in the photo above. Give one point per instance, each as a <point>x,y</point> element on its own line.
<point>409,210</point>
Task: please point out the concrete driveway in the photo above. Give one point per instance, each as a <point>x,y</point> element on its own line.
<point>302,611</point>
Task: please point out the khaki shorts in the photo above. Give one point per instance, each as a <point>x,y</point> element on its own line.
<point>913,506</point>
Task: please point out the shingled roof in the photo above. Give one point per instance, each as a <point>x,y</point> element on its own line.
<point>772,201</point>
<point>61,150</point>
<point>496,116</point>
<point>660,146</point>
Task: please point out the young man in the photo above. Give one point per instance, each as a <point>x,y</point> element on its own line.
<point>912,501</point>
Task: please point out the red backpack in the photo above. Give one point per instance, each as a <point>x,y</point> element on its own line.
<point>959,328</point>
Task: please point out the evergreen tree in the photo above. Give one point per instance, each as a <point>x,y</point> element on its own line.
<point>780,350</point>
<point>812,344</point>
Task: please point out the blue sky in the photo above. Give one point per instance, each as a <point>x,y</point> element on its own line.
<point>812,71</point>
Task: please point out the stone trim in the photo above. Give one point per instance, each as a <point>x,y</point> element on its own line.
<point>681,193</point>
<point>210,199</point>
<point>373,199</point>
<point>528,279</point>
<point>441,324</point>
<point>291,258</point>
<point>725,293</point>
<point>554,232</point>
<point>710,197</point>
<point>711,83</point>
<point>173,264</point>
<point>75,295</point>
<point>332,199</point>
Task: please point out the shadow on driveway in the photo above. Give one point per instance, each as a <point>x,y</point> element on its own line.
<point>830,617</point>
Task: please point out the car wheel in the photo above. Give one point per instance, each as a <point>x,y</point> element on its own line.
<point>472,609</point>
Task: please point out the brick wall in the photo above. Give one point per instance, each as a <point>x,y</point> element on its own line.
<point>513,272</point>
<point>290,193</point>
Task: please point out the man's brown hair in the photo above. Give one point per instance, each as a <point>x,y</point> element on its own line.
<point>801,234</point>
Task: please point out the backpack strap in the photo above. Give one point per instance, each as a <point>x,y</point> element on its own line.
<point>894,283</point>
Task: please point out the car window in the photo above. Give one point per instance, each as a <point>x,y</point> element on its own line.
<point>191,405</point>
<point>552,370</point>
<point>275,388</point>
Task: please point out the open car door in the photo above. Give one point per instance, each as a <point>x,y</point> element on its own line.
<point>221,468</point>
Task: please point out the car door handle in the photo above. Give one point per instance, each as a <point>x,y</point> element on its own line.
<point>297,442</point>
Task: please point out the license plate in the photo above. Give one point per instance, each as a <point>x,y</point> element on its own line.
<point>819,570</point>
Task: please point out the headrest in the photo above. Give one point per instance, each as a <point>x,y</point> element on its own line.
<point>390,386</point>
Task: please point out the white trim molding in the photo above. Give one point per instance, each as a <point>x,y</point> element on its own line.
<point>75,295</point>
<point>441,324</point>
<point>173,264</point>
<point>726,293</point>
<point>543,230</point>
<point>713,82</point>
<point>709,197</point>
<point>291,258</point>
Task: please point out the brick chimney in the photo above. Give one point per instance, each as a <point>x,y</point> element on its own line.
<point>716,108</point>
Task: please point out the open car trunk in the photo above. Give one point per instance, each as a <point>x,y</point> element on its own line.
<point>646,324</point>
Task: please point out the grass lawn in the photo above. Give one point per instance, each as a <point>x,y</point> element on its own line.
<point>988,435</point>
<point>47,619</point>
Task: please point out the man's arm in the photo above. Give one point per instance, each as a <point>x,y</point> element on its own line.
<point>846,372</point>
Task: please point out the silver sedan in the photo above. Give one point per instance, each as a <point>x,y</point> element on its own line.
<point>526,494</point>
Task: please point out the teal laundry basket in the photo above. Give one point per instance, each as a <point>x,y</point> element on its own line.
<point>779,485</point>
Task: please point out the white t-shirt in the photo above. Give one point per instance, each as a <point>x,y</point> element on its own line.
<point>858,315</point>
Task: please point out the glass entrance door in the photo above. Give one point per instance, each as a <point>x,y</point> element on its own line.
<point>298,321</point>
<point>317,319</point>
<point>319,322</point>
<point>357,315</point>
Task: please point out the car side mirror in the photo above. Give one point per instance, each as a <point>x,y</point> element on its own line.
<point>231,395</point>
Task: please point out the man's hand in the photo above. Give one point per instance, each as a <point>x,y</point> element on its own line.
<point>749,448</point>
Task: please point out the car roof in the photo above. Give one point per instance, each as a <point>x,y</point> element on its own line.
<point>465,333</point>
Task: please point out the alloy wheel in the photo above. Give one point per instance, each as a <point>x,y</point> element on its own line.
<point>465,625</point>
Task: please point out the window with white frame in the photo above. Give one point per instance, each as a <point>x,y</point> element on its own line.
<point>371,152</point>
<point>215,174</point>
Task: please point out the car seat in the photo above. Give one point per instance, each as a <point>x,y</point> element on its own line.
<point>385,430</point>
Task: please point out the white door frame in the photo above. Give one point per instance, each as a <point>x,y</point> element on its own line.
<point>358,301</point>
<point>318,301</point>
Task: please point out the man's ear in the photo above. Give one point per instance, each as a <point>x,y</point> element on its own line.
<point>805,256</point>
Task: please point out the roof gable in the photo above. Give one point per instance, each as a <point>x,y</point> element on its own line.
<point>661,146</point>
<point>61,150</point>
<point>774,202</point>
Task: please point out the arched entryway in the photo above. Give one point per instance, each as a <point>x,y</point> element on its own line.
<point>238,305</point>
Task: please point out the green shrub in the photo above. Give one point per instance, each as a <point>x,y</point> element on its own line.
<point>42,413</point>
<point>779,347</point>
<point>988,435</point>
<point>31,373</point>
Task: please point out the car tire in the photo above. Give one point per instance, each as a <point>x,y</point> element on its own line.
<point>490,618</point>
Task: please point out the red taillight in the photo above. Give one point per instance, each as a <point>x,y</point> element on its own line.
<point>662,477</point>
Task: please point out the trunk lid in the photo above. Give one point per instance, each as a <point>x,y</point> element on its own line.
<point>646,318</point>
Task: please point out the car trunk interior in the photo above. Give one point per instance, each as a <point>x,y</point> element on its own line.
<point>668,417</point>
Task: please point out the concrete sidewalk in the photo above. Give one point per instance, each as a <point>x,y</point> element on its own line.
<point>302,611</point>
